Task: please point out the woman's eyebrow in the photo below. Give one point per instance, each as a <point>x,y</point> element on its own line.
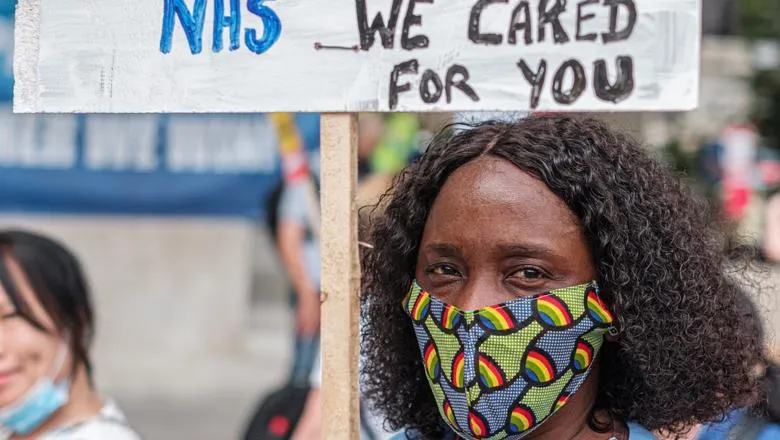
<point>528,250</point>
<point>443,249</point>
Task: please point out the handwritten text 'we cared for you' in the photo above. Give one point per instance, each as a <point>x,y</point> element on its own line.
<point>524,27</point>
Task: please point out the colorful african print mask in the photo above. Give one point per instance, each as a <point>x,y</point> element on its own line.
<point>499,372</point>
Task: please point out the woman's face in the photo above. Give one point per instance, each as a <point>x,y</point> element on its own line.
<point>26,353</point>
<point>496,233</point>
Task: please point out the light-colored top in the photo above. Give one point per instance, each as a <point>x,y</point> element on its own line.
<point>739,425</point>
<point>293,208</point>
<point>109,424</point>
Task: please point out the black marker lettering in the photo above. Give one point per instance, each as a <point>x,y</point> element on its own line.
<point>411,19</point>
<point>582,18</point>
<point>428,77</point>
<point>461,84</point>
<point>551,17</point>
<point>521,20</point>
<point>410,66</point>
<point>474,24</point>
<point>580,82</point>
<point>536,79</point>
<point>386,33</point>
<point>614,34</point>
<point>624,81</point>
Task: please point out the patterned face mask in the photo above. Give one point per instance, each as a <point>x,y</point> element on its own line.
<point>499,372</point>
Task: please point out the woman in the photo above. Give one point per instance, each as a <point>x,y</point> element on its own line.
<point>46,389</point>
<point>546,279</point>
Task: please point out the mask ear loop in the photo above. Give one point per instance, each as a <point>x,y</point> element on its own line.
<point>614,330</point>
<point>59,360</point>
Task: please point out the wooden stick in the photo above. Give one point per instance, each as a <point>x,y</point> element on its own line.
<point>340,277</point>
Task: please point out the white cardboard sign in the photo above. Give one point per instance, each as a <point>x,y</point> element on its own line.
<point>356,55</point>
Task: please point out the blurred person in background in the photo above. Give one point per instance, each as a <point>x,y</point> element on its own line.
<point>300,253</point>
<point>46,389</point>
<point>293,221</point>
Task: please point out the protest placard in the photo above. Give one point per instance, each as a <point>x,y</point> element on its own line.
<point>356,55</point>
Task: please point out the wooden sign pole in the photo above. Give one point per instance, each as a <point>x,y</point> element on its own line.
<point>340,277</point>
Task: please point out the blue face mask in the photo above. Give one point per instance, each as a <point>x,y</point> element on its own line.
<point>40,402</point>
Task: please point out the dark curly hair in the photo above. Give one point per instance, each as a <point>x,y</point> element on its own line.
<point>685,351</point>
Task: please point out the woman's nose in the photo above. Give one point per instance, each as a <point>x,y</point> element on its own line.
<point>478,293</point>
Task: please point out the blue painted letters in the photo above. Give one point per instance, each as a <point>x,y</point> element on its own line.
<point>192,21</point>
<point>272,27</point>
<point>233,21</point>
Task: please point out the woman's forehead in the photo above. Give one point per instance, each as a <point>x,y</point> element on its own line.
<point>492,197</point>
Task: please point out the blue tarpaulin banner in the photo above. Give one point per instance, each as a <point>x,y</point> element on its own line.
<point>172,165</point>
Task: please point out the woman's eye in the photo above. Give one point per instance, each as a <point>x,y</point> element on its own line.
<point>9,315</point>
<point>528,273</point>
<point>443,269</point>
